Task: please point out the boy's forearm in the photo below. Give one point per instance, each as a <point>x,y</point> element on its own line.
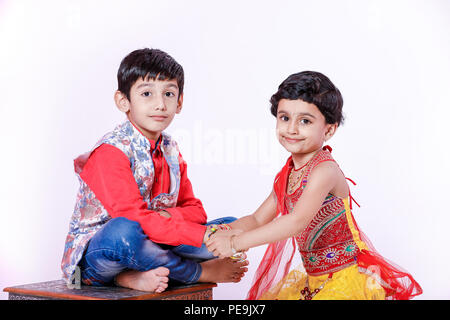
<point>193,213</point>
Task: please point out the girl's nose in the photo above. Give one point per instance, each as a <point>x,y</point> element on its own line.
<point>292,128</point>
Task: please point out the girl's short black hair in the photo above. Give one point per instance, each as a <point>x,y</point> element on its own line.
<point>312,87</point>
<point>148,63</point>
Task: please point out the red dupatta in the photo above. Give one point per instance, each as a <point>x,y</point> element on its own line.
<point>277,253</point>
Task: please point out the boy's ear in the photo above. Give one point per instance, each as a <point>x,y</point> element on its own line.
<point>180,103</point>
<point>331,130</point>
<point>121,101</point>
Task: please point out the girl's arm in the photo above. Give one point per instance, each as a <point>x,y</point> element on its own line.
<point>266,212</point>
<point>322,181</point>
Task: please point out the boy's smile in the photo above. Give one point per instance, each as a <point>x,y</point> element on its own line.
<point>152,105</point>
<point>301,128</point>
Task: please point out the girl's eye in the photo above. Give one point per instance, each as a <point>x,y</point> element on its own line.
<point>284,118</point>
<point>146,94</point>
<point>170,94</point>
<point>305,121</point>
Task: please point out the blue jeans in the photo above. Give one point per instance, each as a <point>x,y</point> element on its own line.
<point>121,245</point>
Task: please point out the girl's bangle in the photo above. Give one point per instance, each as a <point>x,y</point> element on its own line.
<point>236,255</point>
<point>233,250</point>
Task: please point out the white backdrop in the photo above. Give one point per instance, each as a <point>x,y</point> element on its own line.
<point>390,59</point>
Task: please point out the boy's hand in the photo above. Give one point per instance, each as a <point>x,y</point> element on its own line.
<point>164,214</point>
<point>208,233</point>
<point>213,228</point>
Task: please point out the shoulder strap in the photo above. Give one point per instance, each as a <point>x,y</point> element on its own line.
<point>322,156</point>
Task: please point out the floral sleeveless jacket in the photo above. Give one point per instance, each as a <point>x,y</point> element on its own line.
<point>89,214</point>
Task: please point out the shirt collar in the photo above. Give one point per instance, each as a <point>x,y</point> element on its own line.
<point>155,146</point>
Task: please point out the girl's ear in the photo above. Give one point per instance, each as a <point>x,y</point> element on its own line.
<point>121,101</point>
<point>330,131</point>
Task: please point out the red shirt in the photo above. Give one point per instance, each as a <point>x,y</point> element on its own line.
<point>108,174</point>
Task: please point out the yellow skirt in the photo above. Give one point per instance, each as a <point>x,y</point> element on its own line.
<point>346,284</point>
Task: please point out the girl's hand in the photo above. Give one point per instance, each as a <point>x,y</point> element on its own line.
<point>220,242</point>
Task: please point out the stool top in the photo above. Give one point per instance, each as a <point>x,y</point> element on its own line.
<point>57,289</point>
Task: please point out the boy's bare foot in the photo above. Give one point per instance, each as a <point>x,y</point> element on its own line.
<point>154,280</point>
<point>223,270</point>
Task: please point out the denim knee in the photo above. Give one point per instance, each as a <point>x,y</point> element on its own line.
<point>121,231</point>
<point>222,220</point>
<point>228,219</point>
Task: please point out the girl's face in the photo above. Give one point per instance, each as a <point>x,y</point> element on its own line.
<point>301,127</point>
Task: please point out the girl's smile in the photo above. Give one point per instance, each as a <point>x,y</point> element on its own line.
<point>291,140</point>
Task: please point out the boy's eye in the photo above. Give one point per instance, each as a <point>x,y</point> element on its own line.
<point>284,118</point>
<point>146,94</point>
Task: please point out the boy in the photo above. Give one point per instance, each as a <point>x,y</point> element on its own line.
<point>136,221</point>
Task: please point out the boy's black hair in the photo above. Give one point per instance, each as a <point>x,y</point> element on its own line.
<point>312,87</point>
<point>148,63</point>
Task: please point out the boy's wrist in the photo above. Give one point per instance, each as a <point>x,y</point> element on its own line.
<point>224,226</point>
<point>213,228</point>
<point>208,232</point>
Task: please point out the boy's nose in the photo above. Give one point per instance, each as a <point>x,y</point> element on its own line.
<point>160,104</point>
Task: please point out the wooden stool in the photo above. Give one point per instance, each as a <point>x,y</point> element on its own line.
<point>57,290</point>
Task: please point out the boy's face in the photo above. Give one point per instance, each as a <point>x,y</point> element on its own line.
<point>301,127</point>
<point>152,105</point>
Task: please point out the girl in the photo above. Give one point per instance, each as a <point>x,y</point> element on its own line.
<point>312,199</point>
